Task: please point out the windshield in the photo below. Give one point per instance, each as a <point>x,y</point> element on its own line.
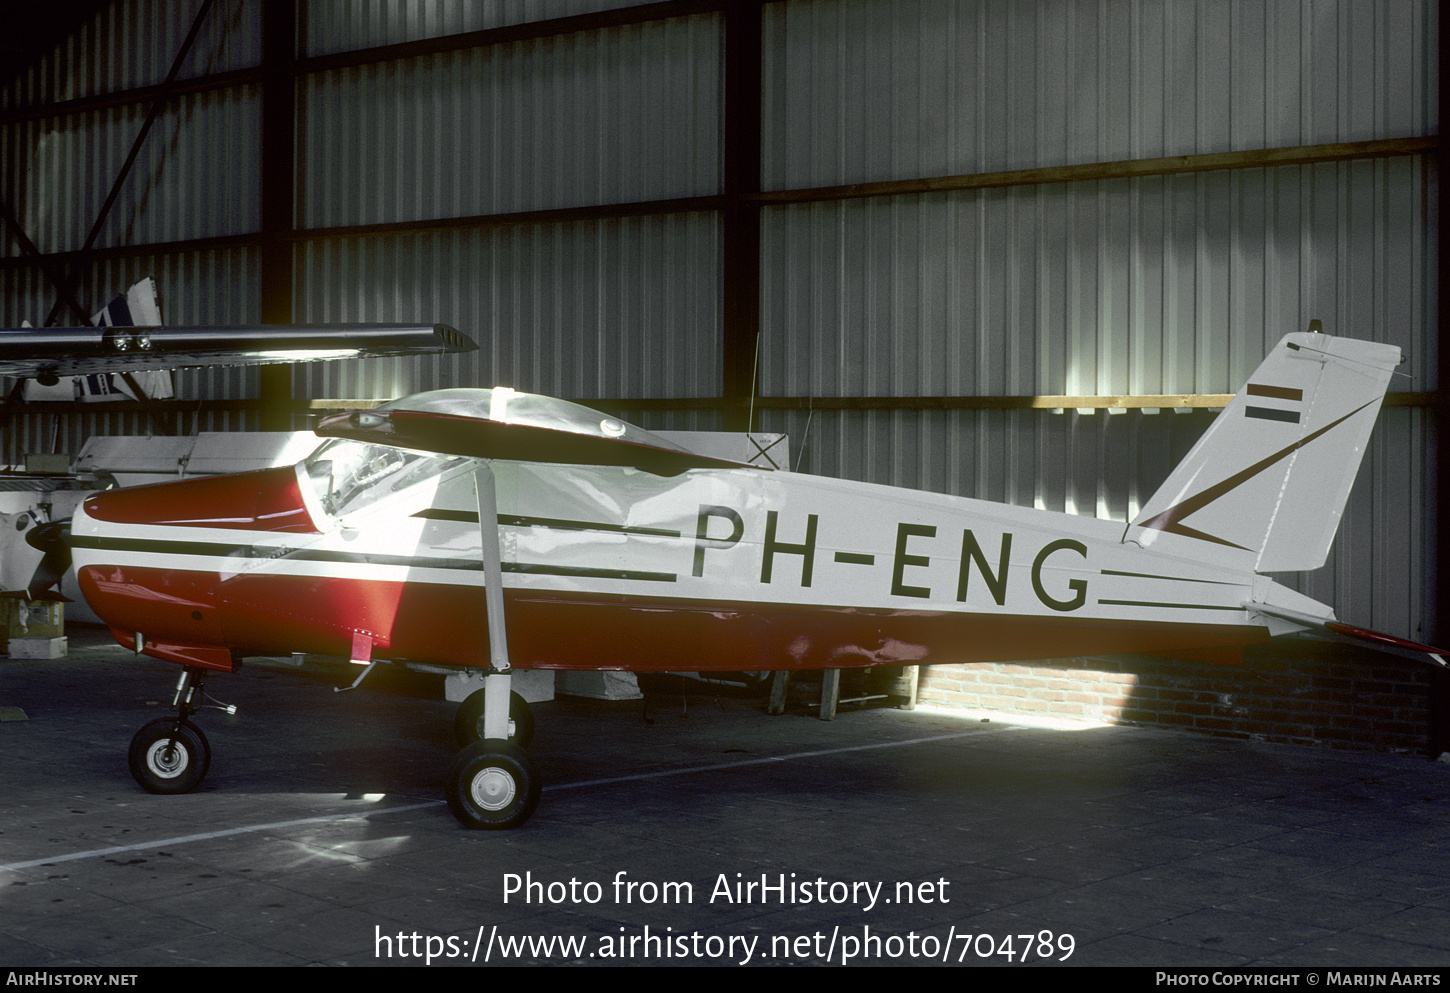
<point>346,476</point>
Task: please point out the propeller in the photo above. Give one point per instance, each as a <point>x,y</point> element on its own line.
<point>53,540</point>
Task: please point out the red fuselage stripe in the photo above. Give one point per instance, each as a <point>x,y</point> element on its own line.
<point>445,625</point>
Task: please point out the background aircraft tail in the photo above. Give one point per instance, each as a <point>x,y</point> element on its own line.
<point>1266,484</point>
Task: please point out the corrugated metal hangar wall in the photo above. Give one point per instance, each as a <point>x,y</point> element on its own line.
<point>986,248</point>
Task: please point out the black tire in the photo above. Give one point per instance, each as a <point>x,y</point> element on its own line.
<point>493,786</point>
<point>168,759</point>
<point>468,721</point>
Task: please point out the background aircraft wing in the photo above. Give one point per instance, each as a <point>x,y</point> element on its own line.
<point>44,354</point>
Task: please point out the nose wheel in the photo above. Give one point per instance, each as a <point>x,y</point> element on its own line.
<point>170,756</point>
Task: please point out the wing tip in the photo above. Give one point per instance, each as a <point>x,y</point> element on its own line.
<point>453,339</point>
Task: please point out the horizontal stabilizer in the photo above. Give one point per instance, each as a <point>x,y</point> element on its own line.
<point>1336,631</point>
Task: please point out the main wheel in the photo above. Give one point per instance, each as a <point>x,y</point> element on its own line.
<point>167,758</point>
<point>493,785</point>
<point>468,721</point>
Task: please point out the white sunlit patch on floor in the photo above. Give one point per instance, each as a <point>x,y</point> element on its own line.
<point>224,833</point>
<point>1002,719</point>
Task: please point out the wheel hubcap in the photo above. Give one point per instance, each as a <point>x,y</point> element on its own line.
<point>166,759</point>
<point>493,789</point>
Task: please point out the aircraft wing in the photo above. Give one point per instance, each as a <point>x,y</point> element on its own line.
<point>1336,631</point>
<point>520,427</point>
<point>45,354</point>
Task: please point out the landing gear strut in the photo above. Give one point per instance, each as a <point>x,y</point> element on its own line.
<point>468,722</point>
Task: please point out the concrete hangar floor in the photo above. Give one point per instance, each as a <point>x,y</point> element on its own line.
<point>711,834</point>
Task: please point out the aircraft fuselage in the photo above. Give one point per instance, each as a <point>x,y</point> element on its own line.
<point>621,568</point>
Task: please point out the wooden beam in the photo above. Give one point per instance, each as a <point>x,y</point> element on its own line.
<point>1258,158</point>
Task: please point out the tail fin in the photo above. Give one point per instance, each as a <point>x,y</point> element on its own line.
<point>1266,485</point>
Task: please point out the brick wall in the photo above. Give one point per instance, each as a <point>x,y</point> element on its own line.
<point>1302,692</point>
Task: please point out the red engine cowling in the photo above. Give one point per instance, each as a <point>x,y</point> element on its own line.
<point>148,557</point>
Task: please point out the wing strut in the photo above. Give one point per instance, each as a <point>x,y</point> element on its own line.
<point>497,684</point>
<point>493,783</point>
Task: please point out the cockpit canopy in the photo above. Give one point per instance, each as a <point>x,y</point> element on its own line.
<point>507,406</point>
<point>373,454</point>
<point>518,427</point>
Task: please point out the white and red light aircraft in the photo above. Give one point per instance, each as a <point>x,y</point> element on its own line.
<point>488,529</point>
